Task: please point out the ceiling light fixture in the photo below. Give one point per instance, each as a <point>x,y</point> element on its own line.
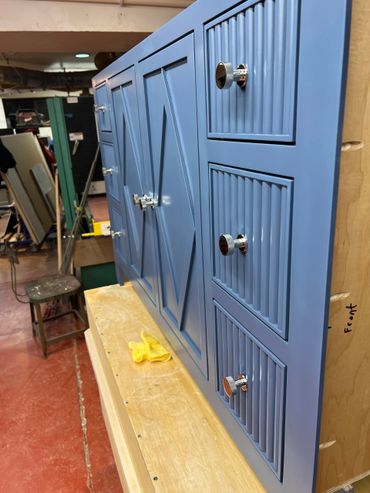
<point>82,55</point>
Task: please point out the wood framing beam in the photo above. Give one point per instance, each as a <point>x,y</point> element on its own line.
<point>52,26</point>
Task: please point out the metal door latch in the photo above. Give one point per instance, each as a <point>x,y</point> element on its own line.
<point>144,201</point>
<point>232,385</point>
<point>101,108</point>
<point>228,245</point>
<point>226,75</point>
<point>116,234</point>
<point>107,171</point>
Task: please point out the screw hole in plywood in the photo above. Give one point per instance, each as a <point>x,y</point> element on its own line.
<point>353,145</point>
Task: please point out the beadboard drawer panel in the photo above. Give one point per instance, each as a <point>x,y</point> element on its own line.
<point>259,207</point>
<point>263,36</point>
<point>110,170</point>
<point>102,109</point>
<point>260,409</point>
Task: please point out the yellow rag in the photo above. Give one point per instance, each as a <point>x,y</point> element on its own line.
<point>149,349</point>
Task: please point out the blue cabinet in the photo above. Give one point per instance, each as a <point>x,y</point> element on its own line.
<point>226,127</point>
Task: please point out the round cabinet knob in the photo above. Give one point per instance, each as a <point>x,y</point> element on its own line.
<point>228,244</point>
<point>226,75</point>
<point>232,385</point>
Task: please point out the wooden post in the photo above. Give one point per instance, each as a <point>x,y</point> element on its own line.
<point>58,220</point>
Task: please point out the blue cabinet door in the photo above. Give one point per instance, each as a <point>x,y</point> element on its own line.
<point>128,147</point>
<point>119,239</point>
<point>168,106</point>
<point>110,170</point>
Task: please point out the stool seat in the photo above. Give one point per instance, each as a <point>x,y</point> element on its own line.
<point>50,287</point>
<point>53,288</point>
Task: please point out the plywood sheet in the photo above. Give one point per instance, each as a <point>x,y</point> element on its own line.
<point>93,251</point>
<point>24,205</point>
<point>344,455</point>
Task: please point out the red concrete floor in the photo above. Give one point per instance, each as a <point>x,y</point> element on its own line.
<point>52,434</point>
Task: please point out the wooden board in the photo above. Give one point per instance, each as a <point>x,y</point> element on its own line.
<point>345,434</point>
<point>24,205</point>
<point>164,434</point>
<point>93,251</point>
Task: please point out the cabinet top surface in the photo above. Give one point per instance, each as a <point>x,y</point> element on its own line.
<point>182,441</point>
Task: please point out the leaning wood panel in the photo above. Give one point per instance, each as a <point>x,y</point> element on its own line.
<point>345,434</point>
<point>27,154</point>
<point>179,437</point>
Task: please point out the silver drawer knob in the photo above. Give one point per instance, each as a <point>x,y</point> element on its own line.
<point>226,75</point>
<point>101,108</point>
<point>107,171</point>
<point>228,245</point>
<point>116,234</point>
<point>232,385</point>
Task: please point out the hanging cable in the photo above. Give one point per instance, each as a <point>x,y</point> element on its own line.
<point>13,280</point>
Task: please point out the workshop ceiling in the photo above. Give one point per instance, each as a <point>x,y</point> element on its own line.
<point>38,36</point>
<point>37,26</point>
<point>50,62</point>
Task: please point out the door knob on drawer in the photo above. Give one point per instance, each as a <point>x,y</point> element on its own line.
<point>226,75</point>
<point>107,171</point>
<point>228,245</point>
<point>231,385</point>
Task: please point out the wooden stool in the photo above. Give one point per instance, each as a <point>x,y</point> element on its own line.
<point>54,288</point>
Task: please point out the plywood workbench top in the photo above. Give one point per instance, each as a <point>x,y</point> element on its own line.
<point>164,434</point>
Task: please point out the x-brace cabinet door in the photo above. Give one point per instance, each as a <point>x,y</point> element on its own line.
<point>168,108</point>
<point>141,265</point>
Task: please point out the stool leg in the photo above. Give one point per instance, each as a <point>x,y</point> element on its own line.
<point>32,319</point>
<point>81,307</point>
<point>44,344</point>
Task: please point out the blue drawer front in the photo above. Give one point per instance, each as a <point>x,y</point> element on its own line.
<point>112,177</point>
<point>259,410</point>
<point>103,109</point>
<point>120,240</point>
<point>264,37</point>
<point>259,207</point>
